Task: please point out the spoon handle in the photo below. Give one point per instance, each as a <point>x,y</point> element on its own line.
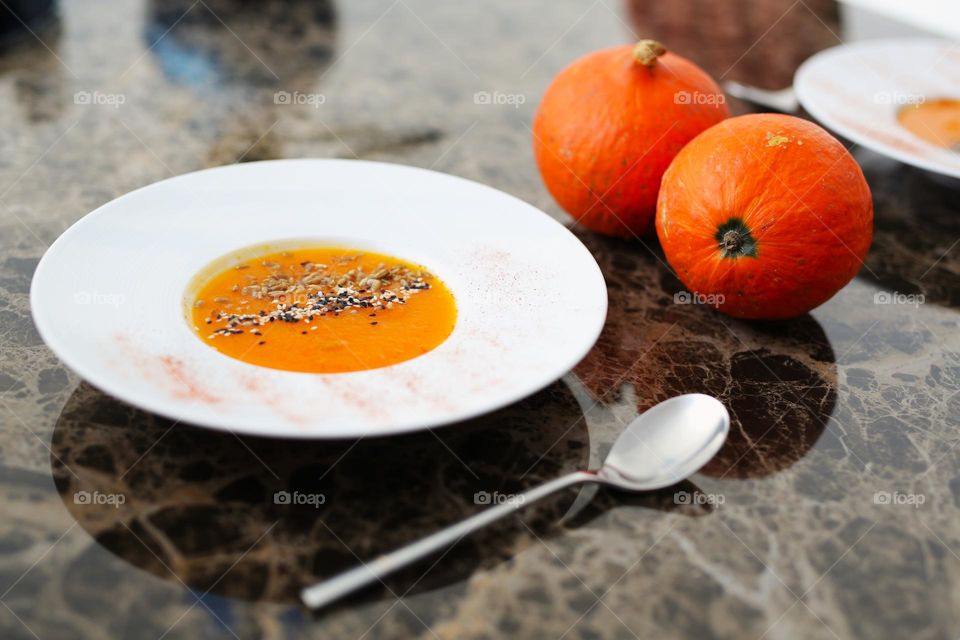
<point>339,585</point>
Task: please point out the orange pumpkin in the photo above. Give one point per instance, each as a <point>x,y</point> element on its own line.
<point>610,124</point>
<point>766,215</point>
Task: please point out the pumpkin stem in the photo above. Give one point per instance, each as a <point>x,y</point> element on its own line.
<point>647,51</point>
<point>732,241</point>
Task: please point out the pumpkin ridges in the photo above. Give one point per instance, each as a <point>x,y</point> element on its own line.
<point>780,283</point>
<point>608,153</point>
<point>820,175</point>
<point>815,172</point>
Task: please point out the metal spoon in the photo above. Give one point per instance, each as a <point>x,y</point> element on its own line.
<point>661,447</point>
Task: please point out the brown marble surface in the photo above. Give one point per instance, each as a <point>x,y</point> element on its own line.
<point>786,534</point>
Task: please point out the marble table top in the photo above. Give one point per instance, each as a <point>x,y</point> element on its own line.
<point>832,512</point>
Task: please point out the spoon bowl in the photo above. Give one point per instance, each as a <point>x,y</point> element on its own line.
<point>667,443</point>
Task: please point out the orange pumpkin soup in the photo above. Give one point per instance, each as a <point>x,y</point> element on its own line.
<point>936,121</point>
<point>322,310</point>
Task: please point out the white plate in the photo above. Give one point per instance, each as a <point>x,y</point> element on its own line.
<point>107,296</point>
<point>857,90</point>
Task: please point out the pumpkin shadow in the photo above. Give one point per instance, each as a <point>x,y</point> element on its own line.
<point>258,519</point>
<point>777,379</point>
<point>780,398</point>
<point>915,224</point>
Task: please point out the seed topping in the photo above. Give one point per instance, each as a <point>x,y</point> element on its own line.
<point>305,291</point>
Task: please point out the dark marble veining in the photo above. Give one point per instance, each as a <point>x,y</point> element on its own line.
<point>832,512</point>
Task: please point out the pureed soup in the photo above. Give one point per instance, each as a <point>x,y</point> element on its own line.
<point>935,121</point>
<point>322,310</point>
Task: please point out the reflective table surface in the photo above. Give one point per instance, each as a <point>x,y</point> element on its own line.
<point>832,511</point>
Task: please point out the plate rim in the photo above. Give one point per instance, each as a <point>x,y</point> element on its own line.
<point>278,429</point>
